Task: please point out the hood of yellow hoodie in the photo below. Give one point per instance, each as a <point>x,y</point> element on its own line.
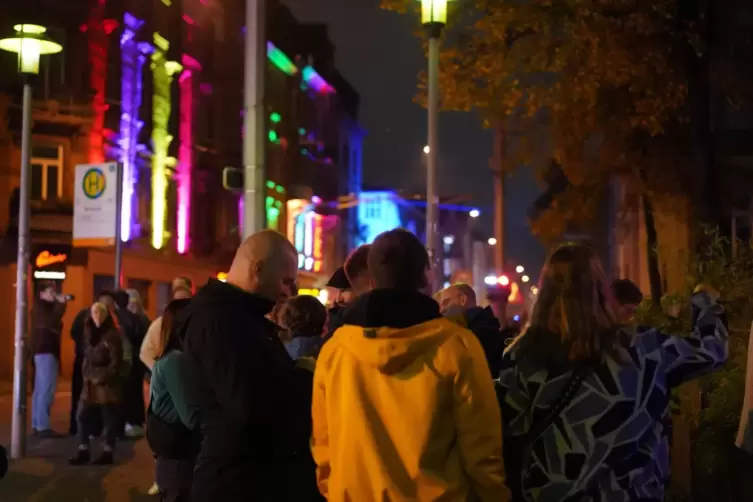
<point>389,329</point>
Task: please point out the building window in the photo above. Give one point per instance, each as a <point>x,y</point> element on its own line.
<point>46,172</point>
<point>142,287</point>
<point>102,283</point>
<point>373,210</point>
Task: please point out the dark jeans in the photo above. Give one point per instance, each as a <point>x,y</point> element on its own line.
<point>174,478</point>
<point>133,395</point>
<point>87,420</point>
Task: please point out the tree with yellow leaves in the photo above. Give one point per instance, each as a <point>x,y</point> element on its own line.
<point>599,87</point>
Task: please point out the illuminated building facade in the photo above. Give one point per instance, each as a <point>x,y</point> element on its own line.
<point>156,86</point>
<point>383,210</point>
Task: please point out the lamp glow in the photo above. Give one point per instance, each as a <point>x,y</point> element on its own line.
<point>29,43</point>
<point>474,213</point>
<point>434,12</point>
<point>503,280</point>
<point>520,269</point>
<point>525,278</point>
<point>427,149</point>
<point>492,241</point>
<point>490,280</point>
<point>275,118</point>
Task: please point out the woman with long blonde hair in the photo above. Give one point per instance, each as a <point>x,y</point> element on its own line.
<point>585,399</point>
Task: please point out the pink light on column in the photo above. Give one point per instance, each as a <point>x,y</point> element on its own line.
<point>185,151</point>
<point>240,215</point>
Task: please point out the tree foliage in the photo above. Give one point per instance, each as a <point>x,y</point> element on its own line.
<point>600,86</point>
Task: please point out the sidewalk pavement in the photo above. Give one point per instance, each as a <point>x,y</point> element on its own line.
<point>45,476</point>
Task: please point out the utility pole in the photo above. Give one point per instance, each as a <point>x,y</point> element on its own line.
<point>253,118</point>
<point>499,197</point>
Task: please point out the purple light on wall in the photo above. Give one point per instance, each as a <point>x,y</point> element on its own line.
<point>133,56</point>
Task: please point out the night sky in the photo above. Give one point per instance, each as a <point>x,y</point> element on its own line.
<point>380,55</point>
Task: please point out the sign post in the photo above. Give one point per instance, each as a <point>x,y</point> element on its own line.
<point>96,210</point>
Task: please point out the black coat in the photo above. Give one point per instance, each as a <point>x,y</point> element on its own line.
<point>486,327</point>
<point>255,427</point>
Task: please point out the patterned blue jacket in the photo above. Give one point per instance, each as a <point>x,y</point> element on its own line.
<point>610,443</point>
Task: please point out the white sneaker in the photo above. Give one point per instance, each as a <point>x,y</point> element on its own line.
<point>134,431</point>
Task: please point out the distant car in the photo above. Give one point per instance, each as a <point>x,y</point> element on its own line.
<point>3,462</point>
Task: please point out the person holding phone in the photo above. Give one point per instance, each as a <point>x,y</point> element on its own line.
<point>47,324</point>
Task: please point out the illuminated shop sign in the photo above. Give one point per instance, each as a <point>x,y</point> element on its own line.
<point>305,232</point>
<point>46,258</point>
<point>49,262</point>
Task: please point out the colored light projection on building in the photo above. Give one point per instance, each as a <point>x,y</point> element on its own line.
<point>377,212</point>
<point>316,81</point>
<point>163,71</point>
<point>97,30</point>
<point>310,76</point>
<point>306,232</point>
<point>273,204</point>
<point>281,60</point>
<point>185,152</point>
<point>133,56</point>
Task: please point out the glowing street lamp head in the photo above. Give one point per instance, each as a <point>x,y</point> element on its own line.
<point>492,241</point>
<point>520,269</point>
<point>427,149</point>
<point>434,12</point>
<point>474,213</point>
<point>29,43</point>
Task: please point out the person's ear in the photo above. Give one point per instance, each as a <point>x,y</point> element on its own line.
<point>257,267</point>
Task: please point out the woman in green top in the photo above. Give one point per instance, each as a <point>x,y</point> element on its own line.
<point>174,418</point>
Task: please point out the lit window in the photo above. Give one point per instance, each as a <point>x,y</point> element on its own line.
<point>46,172</point>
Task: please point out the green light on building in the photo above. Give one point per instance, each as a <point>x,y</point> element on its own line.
<point>275,118</point>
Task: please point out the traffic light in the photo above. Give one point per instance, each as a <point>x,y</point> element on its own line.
<point>232,179</point>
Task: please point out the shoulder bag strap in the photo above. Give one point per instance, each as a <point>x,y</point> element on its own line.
<point>572,386</point>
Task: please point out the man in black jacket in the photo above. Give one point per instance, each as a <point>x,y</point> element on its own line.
<point>339,282</point>
<point>355,273</point>
<point>480,320</point>
<point>255,427</point>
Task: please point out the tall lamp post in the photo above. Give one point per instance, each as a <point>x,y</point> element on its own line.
<point>253,119</point>
<point>434,18</point>
<point>29,42</point>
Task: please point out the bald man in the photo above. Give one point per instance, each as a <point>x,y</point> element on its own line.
<point>459,300</point>
<point>255,429</point>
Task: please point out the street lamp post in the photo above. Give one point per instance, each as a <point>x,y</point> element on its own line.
<point>253,119</point>
<point>434,18</point>
<point>29,42</point>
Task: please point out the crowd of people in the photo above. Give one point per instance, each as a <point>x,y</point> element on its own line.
<point>395,393</point>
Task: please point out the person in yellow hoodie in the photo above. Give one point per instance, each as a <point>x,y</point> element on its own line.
<point>403,406</point>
